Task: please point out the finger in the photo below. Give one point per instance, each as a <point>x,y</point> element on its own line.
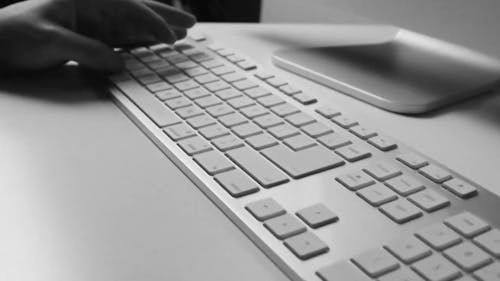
<point>172,15</point>
<point>86,51</point>
<point>153,23</point>
<point>180,33</point>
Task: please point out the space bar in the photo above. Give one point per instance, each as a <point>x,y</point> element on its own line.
<point>153,108</point>
<point>257,167</point>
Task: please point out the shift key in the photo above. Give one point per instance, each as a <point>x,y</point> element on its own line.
<point>299,164</point>
<point>257,167</point>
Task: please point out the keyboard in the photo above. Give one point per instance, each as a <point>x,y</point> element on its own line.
<point>324,195</point>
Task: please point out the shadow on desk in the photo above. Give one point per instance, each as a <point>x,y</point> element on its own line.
<point>67,84</point>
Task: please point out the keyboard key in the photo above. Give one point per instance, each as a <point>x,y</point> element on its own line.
<point>283,131</point>
<point>244,84</point>
<point>355,180</point>
<point>237,183</point>
<point>382,171</point>
<point>217,86</point>
<point>253,111</point>
<point>168,94</point>
<point>207,101</point>
<point>401,211</point>
<point>460,188</point>
<point>142,72</point>
<point>383,143</point>
<point>345,269</point>
<point>300,119</point>
<point>151,106</point>
<point>213,162</point>
<point>409,250</point>
<point>435,173</point>
<point>241,102</point>
<point>276,82</point>
<point>302,163</point>
<point>160,86</point>
<point>176,78</point>
<point>186,85</point>
<point>333,141</point>
<point>285,109</point>
<point>270,101</point>
<point>489,273</point>
<point>284,226</point>
<point>264,75</point>
<point>429,200</point>
<point>177,103</point>
<point>344,121</point>
<point>265,209</point>
<point>317,215</point>
<point>468,256</point>
<point>235,58</point>
<point>257,92</point>
<point>213,131</point>
<point>228,94</point>
<point>436,268</point>
<point>212,63</point>
<point>194,145</point>
<point>299,142</point>
<point>261,141</point>
<point>257,166</point>
<point>304,99</point>
<point>467,224</point>
<point>185,65</point>
<point>363,132</point>
<point>206,78</point>
<point>376,262</point>
<point>233,77</point>
<point>353,153</point>
<point>233,119</point>
<point>306,245</point>
<point>268,121</point>
<point>405,185</point>
<point>438,236</point>
<point>412,160</point>
<point>219,110</point>
<point>196,71</point>
<point>188,112</point>
<point>227,143</point>
<point>221,70</point>
<point>316,129</point>
<point>489,241</point>
<point>377,195</point>
<point>246,130</point>
<point>200,121</point>
<point>327,112</point>
<point>403,274</point>
<point>179,132</point>
<point>246,65</point>
<point>289,90</point>
<point>149,79</point>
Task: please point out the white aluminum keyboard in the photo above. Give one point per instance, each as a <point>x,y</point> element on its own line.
<point>325,196</point>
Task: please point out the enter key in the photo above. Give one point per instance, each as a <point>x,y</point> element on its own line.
<point>299,164</point>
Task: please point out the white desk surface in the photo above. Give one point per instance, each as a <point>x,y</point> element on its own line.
<point>84,195</point>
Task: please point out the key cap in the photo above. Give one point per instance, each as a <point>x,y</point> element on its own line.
<point>176,78</point>
<point>235,58</point>
<point>300,119</point>
<point>285,109</point>
<point>467,224</point>
<point>196,93</point>
<point>221,70</point>
<point>233,77</point>
<point>429,200</point>
<point>382,171</point>
<point>460,188</point>
<point>438,236</point>
<point>345,269</point>
<point>153,108</point>
<point>377,195</point>
<point>244,84</point>
<point>237,183</point>
<point>232,120</point>
<point>403,274</point>
<point>344,121</point>
<point>196,71</point>
<point>436,268</point>
<point>227,142</point>
<point>376,262</point>
<point>306,245</point>
<point>409,250</point>
<point>200,121</point>
<point>188,112</point>
<point>241,102</point>
<point>289,90</point>
<point>214,163</point>
<point>302,163</point>
<point>327,112</point>
<point>168,94</point>
<point>270,101</point>
<point>149,79</point>
<point>435,173</point>
<point>246,130</point>
<point>213,131</point>
<point>219,110</point>
<point>265,209</point>
<point>207,101</point>
<point>283,131</point>
<point>355,180</point>
<point>160,86</point>
<point>253,111</point>
<point>258,167</point>
<point>194,145</point>
<point>317,215</point>
<point>489,241</point>
<point>186,65</point>
<point>177,103</point>
<point>276,82</point>
<point>353,153</point>
<point>299,142</point>
<point>267,121</point>
<point>263,75</point>
<point>363,132</point>
<point>143,72</point>
<point>257,92</point>
<point>206,78</point>
<point>228,94</point>
<point>467,256</point>
<point>401,211</point>
<point>405,185</point>
<point>212,63</point>
<point>217,86</point>
<point>489,273</point>
<point>284,226</point>
<point>158,64</point>
<point>383,143</point>
<point>412,160</point>
<point>304,99</point>
<point>333,141</point>
<point>261,141</point>
<point>179,132</point>
<point>316,130</point>
<point>246,65</point>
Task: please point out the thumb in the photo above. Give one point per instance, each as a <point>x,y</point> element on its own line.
<point>86,51</point>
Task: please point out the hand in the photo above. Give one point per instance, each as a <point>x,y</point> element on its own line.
<point>39,34</point>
